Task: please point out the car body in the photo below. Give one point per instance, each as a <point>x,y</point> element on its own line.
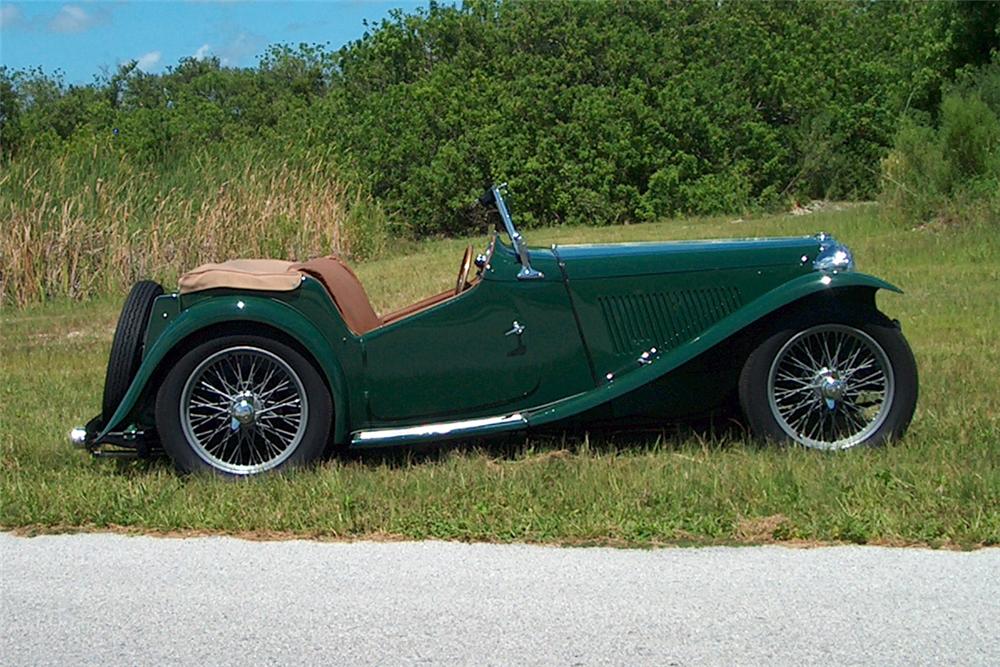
<point>546,337</point>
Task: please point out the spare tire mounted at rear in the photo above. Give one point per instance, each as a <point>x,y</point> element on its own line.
<point>126,348</point>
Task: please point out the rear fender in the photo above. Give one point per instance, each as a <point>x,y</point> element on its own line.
<point>656,365</point>
<point>235,309</point>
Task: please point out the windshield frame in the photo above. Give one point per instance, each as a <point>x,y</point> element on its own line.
<point>526,272</point>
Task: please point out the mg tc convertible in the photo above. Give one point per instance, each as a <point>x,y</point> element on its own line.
<point>258,365</point>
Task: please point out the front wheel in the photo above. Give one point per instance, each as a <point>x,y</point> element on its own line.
<point>831,383</point>
<point>241,406</point>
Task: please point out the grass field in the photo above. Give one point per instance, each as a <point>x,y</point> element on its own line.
<point>940,486</point>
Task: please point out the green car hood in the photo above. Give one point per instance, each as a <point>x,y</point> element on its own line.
<point>632,259</point>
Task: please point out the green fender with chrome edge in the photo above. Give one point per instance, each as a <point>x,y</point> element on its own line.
<point>659,365</point>
<point>228,310</point>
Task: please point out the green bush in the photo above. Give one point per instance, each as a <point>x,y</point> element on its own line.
<point>609,112</point>
<point>949,169</point>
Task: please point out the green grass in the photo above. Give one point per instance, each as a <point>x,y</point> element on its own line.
<point>939,486</point>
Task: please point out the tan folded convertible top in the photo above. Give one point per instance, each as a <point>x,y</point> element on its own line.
<point>272,275</point>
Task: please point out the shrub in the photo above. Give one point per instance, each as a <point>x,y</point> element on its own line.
<point>949,170</point>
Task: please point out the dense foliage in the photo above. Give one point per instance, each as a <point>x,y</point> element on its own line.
<point>948,169</point>
<point>594,112</point>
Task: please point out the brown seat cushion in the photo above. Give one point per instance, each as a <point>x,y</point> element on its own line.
<point>346,290</point>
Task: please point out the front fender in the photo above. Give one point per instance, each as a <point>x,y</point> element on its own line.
<point>236,308</point>
<point>641,374</point>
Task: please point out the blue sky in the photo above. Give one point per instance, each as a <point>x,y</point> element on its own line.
<point>80,38</point>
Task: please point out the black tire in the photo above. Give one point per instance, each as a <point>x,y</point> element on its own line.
<point>761,393</point>
<point>126,347</point>
<point>178,400</point>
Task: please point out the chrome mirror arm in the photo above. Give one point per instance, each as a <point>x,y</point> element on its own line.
<point>526,272</point>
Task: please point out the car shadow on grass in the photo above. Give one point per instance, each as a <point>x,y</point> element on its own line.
<point>712,433</point>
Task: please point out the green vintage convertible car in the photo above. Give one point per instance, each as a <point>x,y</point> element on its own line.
<point>258,365</point>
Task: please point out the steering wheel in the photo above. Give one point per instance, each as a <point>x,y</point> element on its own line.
<point>463,270</point>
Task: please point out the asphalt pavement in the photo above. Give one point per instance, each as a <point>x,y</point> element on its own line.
<point>115,600</point>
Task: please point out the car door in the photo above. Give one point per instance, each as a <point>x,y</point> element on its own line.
<point>501,346</point>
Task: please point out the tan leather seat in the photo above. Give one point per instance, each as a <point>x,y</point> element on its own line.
<point>346,290</point>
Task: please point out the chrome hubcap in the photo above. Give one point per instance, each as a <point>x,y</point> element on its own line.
<point>244,410</point>
<point>830,387</point>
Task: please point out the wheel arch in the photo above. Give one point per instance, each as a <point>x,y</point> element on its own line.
<point>864,322</point>
<point>211,319</point>
<point>837,299</point>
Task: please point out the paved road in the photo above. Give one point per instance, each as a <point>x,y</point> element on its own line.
<point>109,600</point>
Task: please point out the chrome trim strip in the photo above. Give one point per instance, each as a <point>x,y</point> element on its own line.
<point>441,428</point>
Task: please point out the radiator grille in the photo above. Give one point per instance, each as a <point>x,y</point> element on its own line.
<point>664,319</point>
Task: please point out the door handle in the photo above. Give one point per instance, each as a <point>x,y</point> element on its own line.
<point>516,329</point>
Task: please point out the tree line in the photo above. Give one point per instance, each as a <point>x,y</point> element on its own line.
<point>592,112</point>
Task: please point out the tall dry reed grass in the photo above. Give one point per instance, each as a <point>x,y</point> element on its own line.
<point>79,231</point>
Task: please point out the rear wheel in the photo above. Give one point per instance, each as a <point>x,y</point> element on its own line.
<point>126,347</point>
<point>243,405</point>
<point>831,382</point>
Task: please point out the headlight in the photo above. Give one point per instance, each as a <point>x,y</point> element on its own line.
<point>833,256</point>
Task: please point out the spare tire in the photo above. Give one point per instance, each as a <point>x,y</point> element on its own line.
<point>126,348</point>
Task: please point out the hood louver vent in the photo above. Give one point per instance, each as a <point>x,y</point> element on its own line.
<point>665,319</point>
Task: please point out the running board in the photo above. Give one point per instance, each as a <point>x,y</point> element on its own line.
<point>439,431</point>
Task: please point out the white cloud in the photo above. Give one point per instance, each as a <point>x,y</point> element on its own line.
<point>203,52</point>
<point>239,48</point>
<point>72,18</point>
<point>148,60</point>
<point>9,15</point>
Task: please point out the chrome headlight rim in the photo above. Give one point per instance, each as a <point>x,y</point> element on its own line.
<point>833,256</point>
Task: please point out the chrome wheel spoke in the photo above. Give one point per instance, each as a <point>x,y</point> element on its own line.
<point>277,430</point>
<point>218,392</point>
<point>278,387</point>
<point>836,351</point>
<point>278,406</point>
<point>796,391</point>
<point>213,406</point>
<point>801,365</point>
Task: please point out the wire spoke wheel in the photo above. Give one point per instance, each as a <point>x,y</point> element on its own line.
<point>244,410</point>
<point>830,386</point>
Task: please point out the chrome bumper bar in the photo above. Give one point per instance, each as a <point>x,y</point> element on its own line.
<point>78,437</point>
<point>130,442</point>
